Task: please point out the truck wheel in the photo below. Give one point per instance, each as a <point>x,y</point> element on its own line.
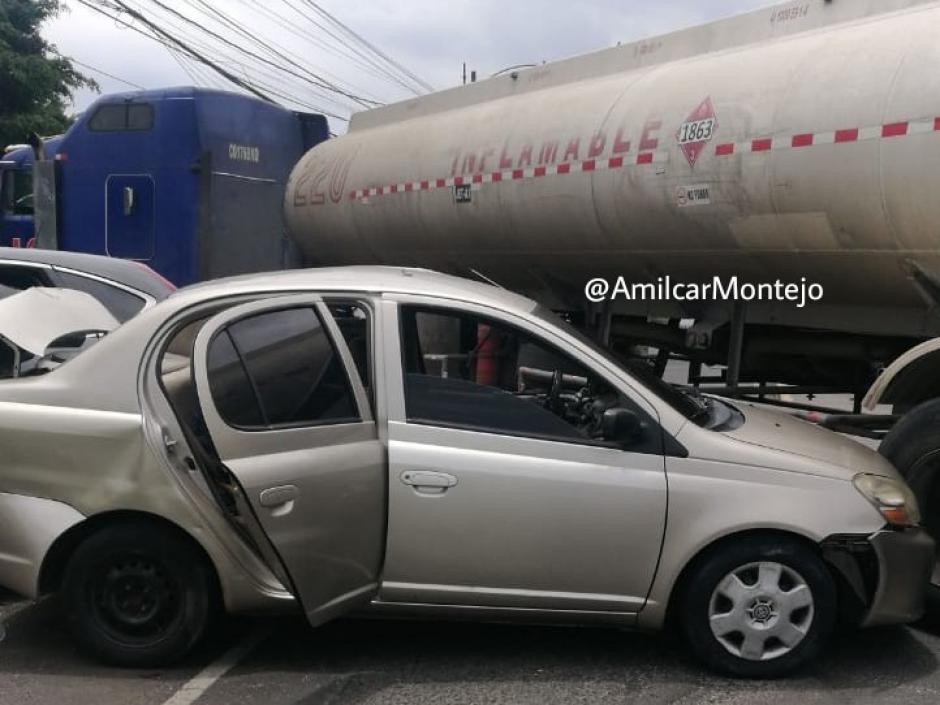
<point>759,607</point>
<point>137,595</point>
<point>913,446</point>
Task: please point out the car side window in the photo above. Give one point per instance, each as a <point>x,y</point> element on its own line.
<point>352,319</point>
<point>279,369</point>
<point>469,372</point>
<point>232,391</point>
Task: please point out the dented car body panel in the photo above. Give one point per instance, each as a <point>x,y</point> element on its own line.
<point>401,487</point>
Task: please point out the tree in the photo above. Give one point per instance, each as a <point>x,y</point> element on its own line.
<point>36,83</point>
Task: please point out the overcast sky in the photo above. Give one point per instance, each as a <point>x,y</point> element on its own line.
<point>430,37</point>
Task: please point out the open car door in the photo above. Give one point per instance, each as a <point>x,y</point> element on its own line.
<point>289,418</point>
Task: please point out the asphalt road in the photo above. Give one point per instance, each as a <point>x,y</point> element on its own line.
<point>284,662</point>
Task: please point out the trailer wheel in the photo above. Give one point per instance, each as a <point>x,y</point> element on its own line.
<point>913,445</point>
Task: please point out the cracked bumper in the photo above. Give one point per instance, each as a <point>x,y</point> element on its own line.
<point>887,571</point>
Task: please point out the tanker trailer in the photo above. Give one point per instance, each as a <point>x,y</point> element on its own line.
<point>799,144</point>
<point>796,143</point>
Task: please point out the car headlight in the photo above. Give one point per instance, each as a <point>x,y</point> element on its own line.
<point>894,499</point>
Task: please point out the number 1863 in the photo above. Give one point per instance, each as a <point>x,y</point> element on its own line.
<point>696,131</point>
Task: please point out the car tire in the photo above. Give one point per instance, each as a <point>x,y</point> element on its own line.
<point>138,595</point>
<point>774,619</point>
<point>913,447</point>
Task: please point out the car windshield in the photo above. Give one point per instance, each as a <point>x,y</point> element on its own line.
<point>689,403</point>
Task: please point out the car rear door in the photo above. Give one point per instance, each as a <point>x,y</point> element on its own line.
<point>289,418</point>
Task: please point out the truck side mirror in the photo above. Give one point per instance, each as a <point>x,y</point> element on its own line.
<point>622,426</point>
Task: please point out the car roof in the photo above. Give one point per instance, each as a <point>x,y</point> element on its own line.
<point>129,273</point>
<point>366,279</point>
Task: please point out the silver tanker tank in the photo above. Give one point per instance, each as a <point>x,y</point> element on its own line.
<point>798,141</point>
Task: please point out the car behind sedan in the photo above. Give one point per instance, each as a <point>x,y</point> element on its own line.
<point>124,287</point>
<point>398,442</point>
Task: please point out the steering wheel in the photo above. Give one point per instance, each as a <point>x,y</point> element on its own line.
<point>554,393</point>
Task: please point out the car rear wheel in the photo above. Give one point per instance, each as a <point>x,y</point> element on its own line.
<point>137,595</point>
<point>759,607</point>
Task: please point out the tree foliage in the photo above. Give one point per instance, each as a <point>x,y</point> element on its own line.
<point>36,83</point>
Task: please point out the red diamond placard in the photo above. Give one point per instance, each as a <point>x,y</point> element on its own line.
<point>697,131</point>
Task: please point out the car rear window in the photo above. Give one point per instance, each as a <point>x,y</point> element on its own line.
<point>122,304</point>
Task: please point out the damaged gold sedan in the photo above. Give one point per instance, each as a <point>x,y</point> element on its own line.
<point>394,441</point>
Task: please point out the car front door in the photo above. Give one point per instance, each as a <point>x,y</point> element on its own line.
<point>502,495</point>
<point>288,416</point>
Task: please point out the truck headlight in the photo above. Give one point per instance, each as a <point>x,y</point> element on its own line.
<point>892,498</point>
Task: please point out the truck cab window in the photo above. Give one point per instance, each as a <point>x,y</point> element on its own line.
<point>117,117</point>
<point>16,192</point>
<point>465,371</point>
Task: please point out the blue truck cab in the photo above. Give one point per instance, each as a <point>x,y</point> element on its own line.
<point>188,180</point>
<point>16,196</point>
<point>16,193</point>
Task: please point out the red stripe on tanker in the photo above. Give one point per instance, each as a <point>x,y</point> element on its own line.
<point>692,138</point>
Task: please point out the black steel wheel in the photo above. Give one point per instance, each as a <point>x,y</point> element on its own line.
<point>137,594</point>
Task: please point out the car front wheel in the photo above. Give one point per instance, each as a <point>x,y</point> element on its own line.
<point>137,595</point>
<point>759,608</point>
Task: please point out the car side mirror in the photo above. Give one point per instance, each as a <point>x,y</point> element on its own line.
<point>622,426</point>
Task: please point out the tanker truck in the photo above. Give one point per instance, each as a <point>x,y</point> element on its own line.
<point>797,145</point>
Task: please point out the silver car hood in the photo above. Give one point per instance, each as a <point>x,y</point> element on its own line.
<point>782,432</point>
<point>33,319</point>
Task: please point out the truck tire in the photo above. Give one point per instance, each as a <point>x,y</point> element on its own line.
<point>758,607</point>
<point>913,446</point>
<point>137,595</point>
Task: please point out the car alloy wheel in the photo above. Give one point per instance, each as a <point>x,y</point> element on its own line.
<point>761,611</point>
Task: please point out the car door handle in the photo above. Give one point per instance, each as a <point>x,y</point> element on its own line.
<point>276,496</point>
<point>428,482</point>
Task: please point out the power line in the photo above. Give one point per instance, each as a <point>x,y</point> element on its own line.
<point>209,11</point>
<point>175,44</point>
<point>287,26</point>
<point>193,54</point>
<point>401,81</point>
<point>182,45</point>
<point>289,93</point>
<point>318,82</point>
<point>424,84</point>
<point>178,58</point>
<point>104,73</point>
